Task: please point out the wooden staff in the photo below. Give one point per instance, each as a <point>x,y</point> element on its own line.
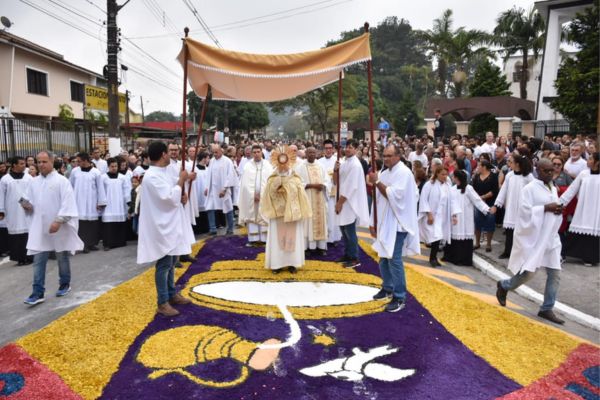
<point>339,137</point>
<point>184,113</point>
<point>202,115</point>
<point>372,127</point>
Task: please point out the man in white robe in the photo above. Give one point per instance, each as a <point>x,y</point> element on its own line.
<point>219,193</point>
<point>328,162</point>
<point>51,201</point>
<point>173,170</point>
<point>91,200</point>
<point>164,231</point>
<point>114,215</point>
<point>285,205</point>
<point>352,207</point>
<point>397,230</point>
<point>254,178</point>
<point>13,187</point>
<point>536,241</point>
<point>99,163</point>
<point>317,184</point>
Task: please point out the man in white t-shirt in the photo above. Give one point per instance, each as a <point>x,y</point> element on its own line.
<point>419,156</point>
<point>576,163</point>
<point>488,147</point>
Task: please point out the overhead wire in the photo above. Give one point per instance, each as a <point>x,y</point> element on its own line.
<point>203,24</point>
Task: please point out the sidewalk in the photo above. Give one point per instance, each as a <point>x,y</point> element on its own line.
<point>579,285</point>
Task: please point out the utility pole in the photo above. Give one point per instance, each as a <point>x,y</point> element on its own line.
<point>142,104</point>
<point>113,48</point>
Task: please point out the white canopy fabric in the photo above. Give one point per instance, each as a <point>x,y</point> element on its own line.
<point>237,76</point>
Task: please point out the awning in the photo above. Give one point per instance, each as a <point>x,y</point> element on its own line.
<point>264,78</point>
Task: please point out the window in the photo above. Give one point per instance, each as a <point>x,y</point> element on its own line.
<point>37,82</point>
<point>77,92</point>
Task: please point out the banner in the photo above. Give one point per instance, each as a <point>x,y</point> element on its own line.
<point>96,98</point>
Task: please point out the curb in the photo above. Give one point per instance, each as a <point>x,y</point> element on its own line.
<point>530,294</point>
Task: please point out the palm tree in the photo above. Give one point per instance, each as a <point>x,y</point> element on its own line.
<point>438,39</point>
<point>521,31</point>
<point>465,51</point>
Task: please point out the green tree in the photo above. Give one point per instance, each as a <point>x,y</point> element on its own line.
<point>65,114</point>
<point>465,51</point>
<point>437,41</point>
<point>520,31</point>
<point>489,81</point>
<point>161,116</point>
<point>577,81</point>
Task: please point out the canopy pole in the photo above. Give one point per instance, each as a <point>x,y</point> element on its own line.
<point>202,115</point>
<point>186,56</point>
<point>372,128</point>
<point>339,136</point>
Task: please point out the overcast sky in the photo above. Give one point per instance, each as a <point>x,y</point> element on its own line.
<point>255,26</point>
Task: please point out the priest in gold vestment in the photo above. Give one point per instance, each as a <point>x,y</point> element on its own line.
<point>285,206</point>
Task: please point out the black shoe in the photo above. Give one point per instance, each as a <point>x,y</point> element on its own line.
<point>93,248</point>
<point>86,250</point>
<point>503,256</point>
<point>434,263</point>
<point>186,258</point>
<point>382,294</point>
<point>322,252</point>
<point>229,233</point>
<point>275,271</point>
<point>352,264</point>
<point>178,265</point>
<point>501,294</point>
<point>550,316</point>
<point>212,233</point>
<point>395,305</point>
<point>106,248</point>
<point>293,270</point>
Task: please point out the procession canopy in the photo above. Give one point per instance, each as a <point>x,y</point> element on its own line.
<point>240,76</point>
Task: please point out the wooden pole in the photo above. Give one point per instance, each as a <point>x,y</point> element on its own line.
<point>202,115</point>
<point>339,136</point>
<point>372,127</point>
<point>184,113</point>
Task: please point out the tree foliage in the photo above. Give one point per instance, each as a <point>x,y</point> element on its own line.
<point>235,115</point>
<point>161,116</point>
<point>577,81</point>
<point>520,31</point>
<point>489,81</point>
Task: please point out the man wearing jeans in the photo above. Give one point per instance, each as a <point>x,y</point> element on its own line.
<point>536,240</point>
<point>397,228</point>
<point>164,230</point>
<point>352,206</point>
<point>51,202</point>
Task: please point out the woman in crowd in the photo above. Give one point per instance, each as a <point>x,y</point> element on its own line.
<point>460,250</point>
<point>583,240</point>
<point>436,213</point>
<point>33,170</point>
<point>29,161</point>
<point>420,174</point>
<point>508,197</point>
<point>485,184</point>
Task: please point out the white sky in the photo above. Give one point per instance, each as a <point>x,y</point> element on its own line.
<point>299,25</point>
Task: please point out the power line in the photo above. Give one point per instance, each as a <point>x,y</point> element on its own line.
<point>161,16</point>
<point>50,14</point>
<point>203,24</point>
<point>98,7</point>
<point>76,11</point>
<point>142,74</point>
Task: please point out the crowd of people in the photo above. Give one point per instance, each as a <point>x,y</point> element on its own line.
<point>451,193</point>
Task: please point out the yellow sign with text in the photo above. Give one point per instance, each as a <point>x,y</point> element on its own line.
<point>96,98</point>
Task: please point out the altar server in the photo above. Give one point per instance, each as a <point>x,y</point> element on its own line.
<point>328,160</point>
<point>114,216</point>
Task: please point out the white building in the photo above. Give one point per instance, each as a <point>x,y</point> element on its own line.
<point>512,70</point>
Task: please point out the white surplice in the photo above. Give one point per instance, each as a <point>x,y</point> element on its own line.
<point>586,187</point>
<point>101,165</point>
<point>221,177</point>
<point>333,230</point>
<point>89,192</point>
<point>117,197</point>
<point>11,190</point>
<point>353,187</point>
<point>536,241</point>
<point>467,202</point>
<point>253,180</point>
<point>509,195</point>
<point>202,178</point>
<point>191,207</point>
<point>436,198</point>
<point>164,228</point>
<point>397,213</point>
<point>302,171</point>
<point>52,197</point>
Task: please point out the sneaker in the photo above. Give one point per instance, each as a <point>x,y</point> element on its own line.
<point>382,294</point>
<point>63,290</point>
<point>395,305</point>
<point>501,294</point>
<point>352,264</point>
<point>186,258</point>
<point>342,259</point>
<point>179,300</point>
<point>34,299</point>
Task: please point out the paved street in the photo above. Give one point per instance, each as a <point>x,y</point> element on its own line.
<point>98,272</point>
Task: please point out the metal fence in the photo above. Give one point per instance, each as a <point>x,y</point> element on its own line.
<point>552,127</point>
<point>24,137</point>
